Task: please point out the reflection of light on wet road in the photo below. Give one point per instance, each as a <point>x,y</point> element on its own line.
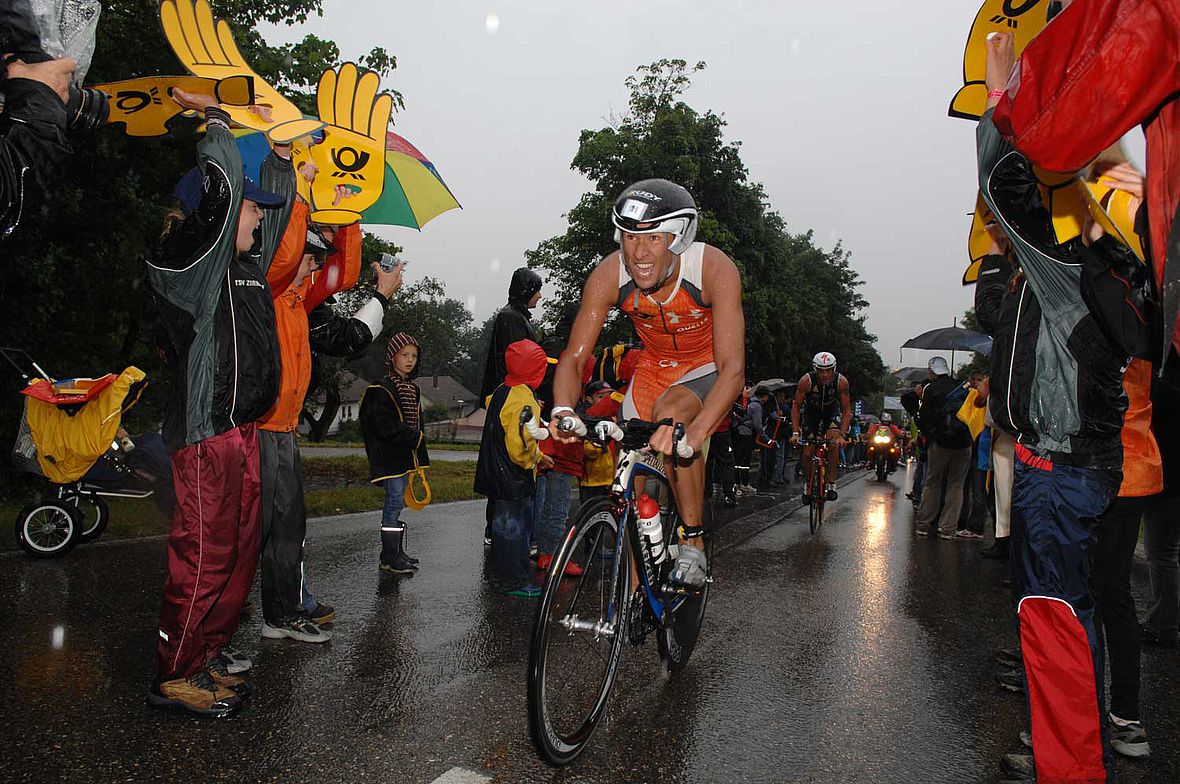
<point>872,588</point>
<point>59,637</point>
<point>878,517</point>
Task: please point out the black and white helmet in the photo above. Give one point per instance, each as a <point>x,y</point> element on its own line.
<point>651,206</point>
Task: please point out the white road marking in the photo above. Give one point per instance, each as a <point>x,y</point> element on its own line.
<point>461,776</point>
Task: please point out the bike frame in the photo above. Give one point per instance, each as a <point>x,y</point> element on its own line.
<point>633,463</point>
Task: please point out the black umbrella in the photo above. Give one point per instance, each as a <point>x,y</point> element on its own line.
<point>951,339</point>
<point>911,375</point>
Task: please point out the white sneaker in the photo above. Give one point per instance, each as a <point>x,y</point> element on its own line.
<point>298,627</point>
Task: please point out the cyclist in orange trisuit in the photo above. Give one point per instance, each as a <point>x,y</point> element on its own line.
<point>685,300</point>
<point>820,394</point>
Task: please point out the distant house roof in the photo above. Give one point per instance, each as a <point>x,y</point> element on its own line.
<point>446,390</point>
<point>435,389</point>
<point>352,387</point>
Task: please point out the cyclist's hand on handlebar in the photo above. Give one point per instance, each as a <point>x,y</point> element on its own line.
<point>661,440</point>
<point>566,428</point>
<point>794,439</point>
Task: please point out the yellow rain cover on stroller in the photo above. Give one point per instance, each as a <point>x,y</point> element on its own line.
<point>67,446</point>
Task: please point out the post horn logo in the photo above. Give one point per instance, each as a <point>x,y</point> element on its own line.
<point>1013,9</point>
<point>349,161</point>
<point>132,101</point>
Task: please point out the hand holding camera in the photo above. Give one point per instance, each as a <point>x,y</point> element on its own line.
<point>389,270</point>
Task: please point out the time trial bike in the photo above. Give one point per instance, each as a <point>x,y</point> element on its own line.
<point>622,596</point>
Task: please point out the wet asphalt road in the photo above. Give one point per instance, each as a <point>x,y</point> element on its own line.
<point>858,655</point>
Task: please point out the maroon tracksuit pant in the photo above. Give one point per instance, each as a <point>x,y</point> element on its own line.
<point>212,549</point>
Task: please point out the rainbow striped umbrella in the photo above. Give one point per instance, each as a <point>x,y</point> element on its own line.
<point>414,193</point>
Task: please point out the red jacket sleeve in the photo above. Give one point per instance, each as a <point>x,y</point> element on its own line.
<point>1098,69</point>
<point>290,253</point>
<point>341,270</point>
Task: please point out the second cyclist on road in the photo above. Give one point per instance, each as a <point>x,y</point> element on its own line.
<point>822,409</point>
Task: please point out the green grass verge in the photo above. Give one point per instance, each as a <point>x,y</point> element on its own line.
<point>445,447</point>
<point>130,519</point>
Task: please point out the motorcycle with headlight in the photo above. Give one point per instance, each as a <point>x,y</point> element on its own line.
<point>884,452</point>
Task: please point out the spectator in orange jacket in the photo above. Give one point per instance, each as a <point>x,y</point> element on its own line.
<point>310,265</point>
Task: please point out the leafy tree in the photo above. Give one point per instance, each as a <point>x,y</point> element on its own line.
<point>75,293</point>
<point>798,298</point>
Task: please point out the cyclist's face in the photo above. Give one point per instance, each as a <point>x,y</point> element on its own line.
<point>647,257</point>
<point>826,376</point>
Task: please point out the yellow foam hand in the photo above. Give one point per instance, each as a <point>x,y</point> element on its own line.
<point>352,154</point>
<point>1112,209</point>
<point>206,47</point>
<point>979,241</point>
<point>1023,18</point>
<point>144,107</point>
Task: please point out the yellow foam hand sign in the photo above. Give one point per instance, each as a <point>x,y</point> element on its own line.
<point>301,154</point>
<point>1063,198</point>
<point>206,47</point>
<point>979,242</point>
<point>144,106</point>
<point>1023,18</point>
<point>352,154</point>
<point>1111,208</point>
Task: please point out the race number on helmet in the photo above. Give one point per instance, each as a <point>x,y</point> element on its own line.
<point>651,206</point>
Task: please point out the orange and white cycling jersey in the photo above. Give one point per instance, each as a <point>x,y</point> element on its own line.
<point>677,335</point>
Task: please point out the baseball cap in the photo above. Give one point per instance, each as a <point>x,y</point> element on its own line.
<point>939,367</point>
<point>190,188</point>
<point>598,386</point>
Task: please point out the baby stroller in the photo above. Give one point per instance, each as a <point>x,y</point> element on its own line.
<point>70,434</point>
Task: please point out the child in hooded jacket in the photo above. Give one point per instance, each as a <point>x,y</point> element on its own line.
<point>391,420</point>
<point>507,468</point>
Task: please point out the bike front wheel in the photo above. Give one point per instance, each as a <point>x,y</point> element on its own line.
<point>578,634</point>
<point>819,496</point>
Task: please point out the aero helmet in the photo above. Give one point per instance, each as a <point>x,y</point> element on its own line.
<point>651,206</point>
<point>824,360</point>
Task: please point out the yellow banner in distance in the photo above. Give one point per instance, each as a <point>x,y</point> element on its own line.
<point>144,106</point>
<point>1023,18</point>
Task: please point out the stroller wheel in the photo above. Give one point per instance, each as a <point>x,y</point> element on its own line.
<point>48,529</point>
<point>94,514</point>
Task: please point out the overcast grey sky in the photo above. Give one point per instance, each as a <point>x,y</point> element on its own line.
<point>840,108</point>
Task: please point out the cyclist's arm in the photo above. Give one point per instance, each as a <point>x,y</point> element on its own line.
<point>845,406</point>
<point>602,288</point>
<point>724,286</point>
<point>797,404</point>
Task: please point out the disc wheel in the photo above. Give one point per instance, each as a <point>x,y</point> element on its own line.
<point>48,529</point>
<point>94,513</point>
<point>578,635</point>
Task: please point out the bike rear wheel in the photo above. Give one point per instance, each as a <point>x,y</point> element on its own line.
<point>577,639</point>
